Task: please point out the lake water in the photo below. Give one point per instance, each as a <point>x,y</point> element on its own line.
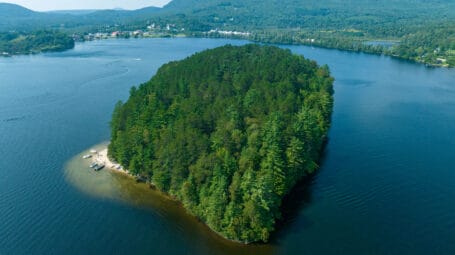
<point>386,183</point>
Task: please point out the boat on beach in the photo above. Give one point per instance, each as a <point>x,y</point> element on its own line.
<point>98,167</point>
<point>94,164</point>
<point>87,156</point>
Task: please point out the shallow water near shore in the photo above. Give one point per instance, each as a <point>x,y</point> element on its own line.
<point>121,188</point>
<point>385,185</point>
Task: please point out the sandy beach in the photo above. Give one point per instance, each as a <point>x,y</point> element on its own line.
<point>101,157</point>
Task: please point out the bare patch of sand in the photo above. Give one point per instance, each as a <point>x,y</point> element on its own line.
<point>101,157</point>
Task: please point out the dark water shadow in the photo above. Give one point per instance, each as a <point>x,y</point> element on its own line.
<point>297,200</point>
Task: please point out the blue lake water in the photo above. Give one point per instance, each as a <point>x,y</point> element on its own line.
<point>386,183</point>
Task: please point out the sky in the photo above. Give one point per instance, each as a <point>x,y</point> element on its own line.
<point>50,5</point>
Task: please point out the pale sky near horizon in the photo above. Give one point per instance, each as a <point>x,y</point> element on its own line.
<point>50,5</point>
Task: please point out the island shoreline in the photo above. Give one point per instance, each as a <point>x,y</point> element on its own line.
<point>101,156</point>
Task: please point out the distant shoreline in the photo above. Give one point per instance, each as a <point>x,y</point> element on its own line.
<point>320,46</point>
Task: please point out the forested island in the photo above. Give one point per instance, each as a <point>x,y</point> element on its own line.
<point>14,43</point>
<point>228,132</point>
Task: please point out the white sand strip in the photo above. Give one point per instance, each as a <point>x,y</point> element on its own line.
<point>101,157</point>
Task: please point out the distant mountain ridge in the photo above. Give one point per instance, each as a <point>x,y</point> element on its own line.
<point>16,17</point>
<point>14,9</point>
<point>74,12</point>
<point>247,14</point>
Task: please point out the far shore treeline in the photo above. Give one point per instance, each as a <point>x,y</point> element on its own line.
<point>228,132</point>
<point>13,43</point>
<point>415,30</point>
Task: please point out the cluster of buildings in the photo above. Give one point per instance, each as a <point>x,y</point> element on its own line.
<point>229,33</point>
<point>105,35</point>
<point>152,30</point>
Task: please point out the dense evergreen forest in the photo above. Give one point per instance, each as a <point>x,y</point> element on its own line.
<point>12,43</point>
<point>228,132</point>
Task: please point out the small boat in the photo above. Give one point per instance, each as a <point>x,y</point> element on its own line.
<point>92,165</point>
<point>98,167</point>
<point>93,151</point>
<point>87,156</point>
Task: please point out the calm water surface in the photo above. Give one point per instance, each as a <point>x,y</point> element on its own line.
<point>386,183</point>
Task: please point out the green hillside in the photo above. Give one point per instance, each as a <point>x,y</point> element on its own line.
<point>407,28</point>
<point>416,30</point>
<point>13,43</point>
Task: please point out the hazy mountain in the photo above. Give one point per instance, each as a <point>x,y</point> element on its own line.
<point>74,12</point>
<point>12,10</point>
<point>15,17</point>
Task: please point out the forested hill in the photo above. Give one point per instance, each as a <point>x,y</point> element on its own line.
<point>327,14</point>
<point>12,43</point>
<point>17,18</point>
<point>228,132</point>
<point>378,18</point>
<point>422,31</point>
